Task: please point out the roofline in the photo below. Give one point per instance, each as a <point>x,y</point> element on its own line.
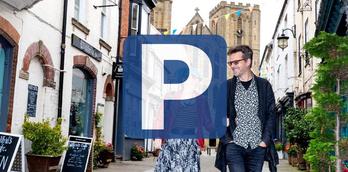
<point>280,17</point>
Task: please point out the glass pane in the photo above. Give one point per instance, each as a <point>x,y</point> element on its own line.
<point>103,26</point>
<point>79,113</point>
<point>104,8</point>
<point>135,15</point>
<point>2,66</point>
<point>77,9</point>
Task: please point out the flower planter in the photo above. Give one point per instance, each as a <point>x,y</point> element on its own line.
<point>294,161</point>
<point>301,161</point>
<point>104,158</point>
<point>137,153</point>
<point>280,154</point>
<point>290,160</point>
<point>156,152</point>
<point>39,163</point>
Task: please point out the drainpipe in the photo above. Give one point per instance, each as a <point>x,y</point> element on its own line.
<point>62,60</point>
<point>114,127</point>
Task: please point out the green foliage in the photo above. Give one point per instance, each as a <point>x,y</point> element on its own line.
<point>297,129</point>
<point>46,140</point>
<point>344,148</point>
<point>324,123</point>
<point>327,46</point>
<point>98,148</point>
<point>333,50</point>
<point>99,145</point>
<point>321,155</point>
<point>279,146</point>
<point>292,150</point>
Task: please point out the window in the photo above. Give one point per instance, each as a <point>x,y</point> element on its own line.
<point>239,28</point>
<point>306,31</point>
<point>103,22</point>
<point>6,51</point>
<point>81,104</point>
<point>299,56</point>
<point>344,125</point>
<point>2,66</point>
<point>306,55</point>
<point>79,10</point>
<point>317,7</point>
<point>134,19</point>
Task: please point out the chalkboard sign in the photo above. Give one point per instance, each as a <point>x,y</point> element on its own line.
<point>9,148</point>
<point>32,97</point>
<point>77,155</point>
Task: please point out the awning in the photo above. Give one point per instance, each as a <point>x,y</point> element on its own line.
<point>303,96</point>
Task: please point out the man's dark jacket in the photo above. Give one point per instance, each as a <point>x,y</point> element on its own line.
<point>266,114</point>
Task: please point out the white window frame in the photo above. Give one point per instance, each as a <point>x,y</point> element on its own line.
<point>136,27</point>
<point>80,10</point>
<point>103,22</point>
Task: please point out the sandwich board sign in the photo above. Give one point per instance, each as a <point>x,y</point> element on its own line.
<point>77,155</point>
<point>11,152</point>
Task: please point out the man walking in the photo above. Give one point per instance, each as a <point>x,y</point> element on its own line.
<point>251,115</point>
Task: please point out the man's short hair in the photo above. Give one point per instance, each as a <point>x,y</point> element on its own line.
<point>245,50</point>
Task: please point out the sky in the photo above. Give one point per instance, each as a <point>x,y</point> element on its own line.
<point>184,10</point>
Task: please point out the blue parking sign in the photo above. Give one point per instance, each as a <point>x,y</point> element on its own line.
<point>174,86</point>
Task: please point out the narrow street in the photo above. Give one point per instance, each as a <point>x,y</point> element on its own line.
<point>207,165</point>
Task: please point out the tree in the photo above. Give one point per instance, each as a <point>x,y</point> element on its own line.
<point>331,79</point>
<point>297,129</point>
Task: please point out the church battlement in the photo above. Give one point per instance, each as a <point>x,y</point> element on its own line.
<point>232,5</point>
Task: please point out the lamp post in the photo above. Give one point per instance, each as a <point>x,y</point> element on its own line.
<point>283,39</point>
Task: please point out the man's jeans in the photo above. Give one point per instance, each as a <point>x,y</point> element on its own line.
<point>240,159</point>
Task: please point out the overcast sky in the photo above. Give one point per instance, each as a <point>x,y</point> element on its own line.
<point>184,10</point>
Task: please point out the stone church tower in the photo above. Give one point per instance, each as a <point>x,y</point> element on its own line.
<point>161,16</point>
<point>238,24</point>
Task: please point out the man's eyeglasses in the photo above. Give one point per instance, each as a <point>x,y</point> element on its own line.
<point>235,62</point>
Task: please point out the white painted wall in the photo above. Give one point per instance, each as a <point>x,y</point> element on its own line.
<point>34,24</point>
<point>281,63</point>
<point>92,22</point>
<point>44,22</point>
<point>306,79</point>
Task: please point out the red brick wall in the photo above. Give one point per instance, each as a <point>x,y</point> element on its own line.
<point>109,89</point>
<point>124,24</point>
<point>11,35</point>
<point>39,50</point>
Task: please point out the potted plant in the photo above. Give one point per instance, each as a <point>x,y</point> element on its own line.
<point>137,153</point>
<point>279,149</point>
<point>292,152</point>
<point>298,128</point>
<point>344,154</point>
<point>48,144</point>
<point>103,154</point>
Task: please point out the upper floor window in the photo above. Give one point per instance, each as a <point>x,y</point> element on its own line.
<point>306,31</point>
<point>299,56</point>
<point>134,19</point>
<point>103,22</point>
<point>79,10</point>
